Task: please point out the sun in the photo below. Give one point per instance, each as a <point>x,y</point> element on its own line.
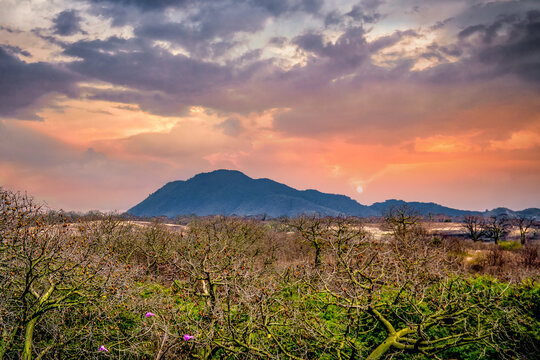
<point>360,189</point>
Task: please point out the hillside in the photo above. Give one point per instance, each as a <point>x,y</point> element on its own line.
<point>230,192</point>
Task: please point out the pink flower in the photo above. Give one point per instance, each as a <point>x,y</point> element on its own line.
<point>188,337</point>
<point>149,314</point>
<point>103,348</point>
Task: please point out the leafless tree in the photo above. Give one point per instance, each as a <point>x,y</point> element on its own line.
<point>402,220</point>
<point>524,223</point>
<point>474,225</point>
<point>313,230</point>
<point>45,268</point>
<point>497,227</point>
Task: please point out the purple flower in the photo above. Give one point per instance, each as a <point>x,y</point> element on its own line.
<point>188,337</point>
<point>103,348</point>
<point>149,314</point>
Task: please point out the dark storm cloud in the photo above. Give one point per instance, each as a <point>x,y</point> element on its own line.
<point>275,7</point>
<point>390,40</point>
<point>158,81</point>
<point>312,42</point>
<point>469,30</point>
<point>166,84</point>
<point>16,50</point>
<point>364,12</point>
<point>209,31</point>
<point>333,18</point>
<point>137,65</point>
<point>67,23</point>
<point>509,45</point>
<point>349,48</point>
<point>359,13</point>
<point>218,20</point>
<point>123,12</point>
<point>145,4</point>
<point>279,7</point>
<point>24,83</point>
<point>349,51</point>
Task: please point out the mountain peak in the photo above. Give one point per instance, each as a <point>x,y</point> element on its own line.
<point>221,173</point>
<point>231,192</point>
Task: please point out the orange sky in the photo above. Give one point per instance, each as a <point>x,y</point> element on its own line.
<point>97,116</point>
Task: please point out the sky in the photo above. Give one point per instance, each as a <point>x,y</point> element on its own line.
<point>102,102</point>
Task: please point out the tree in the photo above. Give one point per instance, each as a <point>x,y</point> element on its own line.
<point>371,289</point>
<point>497,227</point>
<point>474,225</point>
<point>524,223</point>
<point>313,230</point>
<point>46,267</point>
<point>402,220</point>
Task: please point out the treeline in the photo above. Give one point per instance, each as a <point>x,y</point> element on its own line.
<point>230,288</point>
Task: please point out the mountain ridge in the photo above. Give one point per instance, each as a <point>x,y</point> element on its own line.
<point>231,192</point>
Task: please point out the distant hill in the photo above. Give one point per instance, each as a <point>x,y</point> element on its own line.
<point>421,207</point>
<point>230,192</point>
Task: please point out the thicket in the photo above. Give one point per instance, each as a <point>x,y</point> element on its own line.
<point>230,288</point>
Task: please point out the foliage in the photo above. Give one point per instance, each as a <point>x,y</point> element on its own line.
<point>510,245</point>
<point>231,288</point>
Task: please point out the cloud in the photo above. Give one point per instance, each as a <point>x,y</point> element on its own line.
<point>67,22</point>
<point>139,66</point>
<point>167,82</point>
<point>365,12</point>
<point>24,84</point>
<point>12,49</point>
<point>410,79</point>
<point>202,32</point>
<point>231,126</point>
<point>201,18</point>
<point>516,51</point>
<point>145,4</point>
<point>362,13</point>
<point>275,7</point>
<point>73,178</point>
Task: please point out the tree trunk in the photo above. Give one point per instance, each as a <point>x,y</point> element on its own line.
<point>317,256</point>
<point>28,337</point>
<point>382,348</point>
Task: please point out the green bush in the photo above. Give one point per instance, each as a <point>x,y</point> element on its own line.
<point>510,245</point>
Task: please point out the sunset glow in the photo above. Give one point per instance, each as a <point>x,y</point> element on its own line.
<point>414,100</point>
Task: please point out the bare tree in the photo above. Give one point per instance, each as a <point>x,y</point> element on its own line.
<point>313,230</point>
<point>46,268</point>
<point>474,225</point>
<point>402,220</point>
<point>524,223</point>
<point>497,227</point>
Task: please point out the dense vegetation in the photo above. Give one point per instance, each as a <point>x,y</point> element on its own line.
<point>222,287</point>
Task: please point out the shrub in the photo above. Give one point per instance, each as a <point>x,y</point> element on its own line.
<point>509,245</point>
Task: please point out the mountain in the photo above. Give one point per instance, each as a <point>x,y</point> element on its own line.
<point>421,208</point>
<point>230,192</point>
